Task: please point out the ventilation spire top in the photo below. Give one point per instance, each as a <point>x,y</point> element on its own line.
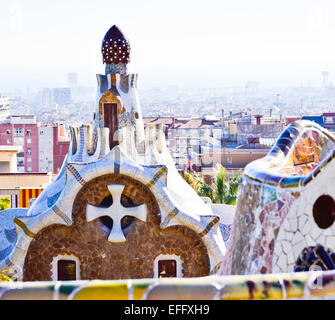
<point>115,47</point>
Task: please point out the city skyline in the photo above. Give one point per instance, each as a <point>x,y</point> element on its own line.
<point>189,44</point>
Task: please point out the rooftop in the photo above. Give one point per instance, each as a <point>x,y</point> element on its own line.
<point>198,123</point>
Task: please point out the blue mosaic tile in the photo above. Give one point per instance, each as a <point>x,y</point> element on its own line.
<point>52,200</point>
<point>225,231</point>
<point>5,252</point>
<point>10,235</point>
<point>269,194</point>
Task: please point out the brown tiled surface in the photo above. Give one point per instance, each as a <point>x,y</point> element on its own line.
<point>101,259</point>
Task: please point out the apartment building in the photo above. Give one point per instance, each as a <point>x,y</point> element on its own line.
<point>53,145</point>
<point>258,126</point>
<point>200,143</point>
<point>41,149</point>
<point>232,158</point>
<point>22,131</point>
<point>186,136</point>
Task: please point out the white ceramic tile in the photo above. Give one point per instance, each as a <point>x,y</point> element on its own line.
<point>275,259</point>
<point>292,215</point>
<point>301,222</point>
<point>330,242</point>
<point>297,249</point>
<point>275,268</point>
<point>309,240</point>
<point>321,239</point>
<point>315,232</point>
<point>286,226</point>
<point>289,236</point>
<point>282,262</point>
<point>281,235</point>
<point>330,231</point>
<point>308,212</point>
<point>298,213</point>
<point>297,238</point>
<point>290,257</point>
<point>301,245</point>
<point>306,229</point>
<point>290,267</point>
<point>293,224</point>
<point>286,246</point>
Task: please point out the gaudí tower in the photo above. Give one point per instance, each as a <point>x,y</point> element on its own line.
<point>118,208</point>
<point>118,104</point>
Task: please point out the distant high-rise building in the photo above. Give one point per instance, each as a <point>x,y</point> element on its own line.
<point>47,97</point>
<point>50,96</point>
<point>62,96</point>
<point>325,78</point>
<point>4,107</point>
<point>72,80</point>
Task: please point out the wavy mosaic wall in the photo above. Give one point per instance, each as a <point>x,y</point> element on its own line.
<point>285,204</point>
<point>303,285</point>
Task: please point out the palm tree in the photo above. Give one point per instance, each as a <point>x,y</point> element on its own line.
<point>202,189</point>
<point>225,188</point>
<point>233,184</point>
<point>197,182</point>
<point>219,185</point>
<point>190,178</point>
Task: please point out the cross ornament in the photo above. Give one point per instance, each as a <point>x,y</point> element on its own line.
<point>116,211</point>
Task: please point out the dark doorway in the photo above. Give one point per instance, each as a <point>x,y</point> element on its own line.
<point>111,122</point>
<point>167,268</point>
<point>66,270</point>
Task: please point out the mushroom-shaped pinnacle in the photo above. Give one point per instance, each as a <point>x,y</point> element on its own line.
<point>115,47</point>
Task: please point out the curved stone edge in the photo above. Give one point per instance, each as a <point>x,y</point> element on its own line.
<point>261,170</point>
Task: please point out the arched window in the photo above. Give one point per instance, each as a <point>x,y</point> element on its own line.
<point>168,265</point>
<point>65,268</point>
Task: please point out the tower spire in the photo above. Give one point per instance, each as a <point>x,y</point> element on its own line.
<point>115,51</point>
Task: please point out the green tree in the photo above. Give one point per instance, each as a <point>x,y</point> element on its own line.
<point>223,189</point>
<point>233,183</point>
<point>219,185</point>
<point>201,187</point>
<point>4,277</point>
<point>4,203</point>
<point>197,182</point>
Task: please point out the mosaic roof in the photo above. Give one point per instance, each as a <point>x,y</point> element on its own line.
<point>115,47</point>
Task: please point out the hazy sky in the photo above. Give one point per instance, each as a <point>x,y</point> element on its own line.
<point>191,43</point>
